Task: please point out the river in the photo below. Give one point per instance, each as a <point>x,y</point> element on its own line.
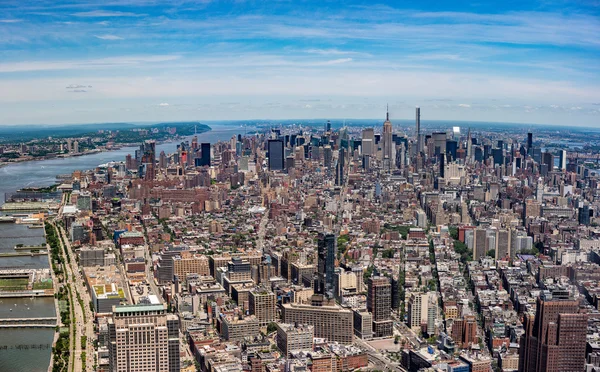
<point>38,174</point>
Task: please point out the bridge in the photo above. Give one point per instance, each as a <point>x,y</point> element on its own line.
<point>583,156</point>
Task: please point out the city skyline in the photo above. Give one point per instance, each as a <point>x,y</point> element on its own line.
<point>82,62</point>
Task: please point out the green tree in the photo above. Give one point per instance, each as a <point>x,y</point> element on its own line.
<point>272,327</point>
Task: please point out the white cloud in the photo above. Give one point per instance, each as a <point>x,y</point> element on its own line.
<point>465,105</point>
<point>106,13</point>
<point>163,104</point>
<point>10,20</point>
<point>335,52</point>
<point>109,37</point>
<point>86,64</point>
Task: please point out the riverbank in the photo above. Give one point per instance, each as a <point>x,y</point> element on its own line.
<point>99,150</point>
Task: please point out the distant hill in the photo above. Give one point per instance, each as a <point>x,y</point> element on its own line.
<point>24,133</point>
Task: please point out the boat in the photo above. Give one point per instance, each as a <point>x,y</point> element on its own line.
<point>7,219</point>
<point>35,226</point>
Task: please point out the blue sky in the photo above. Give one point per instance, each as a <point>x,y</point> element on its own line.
<point>149,60</point>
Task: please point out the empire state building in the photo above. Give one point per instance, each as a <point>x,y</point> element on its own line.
<point>387,141</point>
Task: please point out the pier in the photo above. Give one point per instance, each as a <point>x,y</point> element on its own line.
<point>42,322</point>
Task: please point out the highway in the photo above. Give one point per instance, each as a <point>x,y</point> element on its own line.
<point>83,324</point>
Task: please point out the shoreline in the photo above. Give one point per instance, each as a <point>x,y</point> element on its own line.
<point>95,151</point>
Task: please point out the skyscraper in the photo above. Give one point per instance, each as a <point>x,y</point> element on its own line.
<point>148,151</point>
<point>379,303</point>
<point>275,148</point>
<point>563,159</point>
<point>328,126</point>
<point>205,154</point>
<point>327,251</point>
<point>418,128</point>
<point>162,162</point>
<point>529,142</point>
<point>555,339</point>
<point>143,338</point>
<point>368,141</point>
<point>387,141</point>
<point>339,176</point>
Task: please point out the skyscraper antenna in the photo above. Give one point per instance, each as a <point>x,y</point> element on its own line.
<point>387,112</point>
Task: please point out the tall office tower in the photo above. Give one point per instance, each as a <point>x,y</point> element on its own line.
<point>205,154</point>
<point>439,142</point>
<point>379,303</point>
<point>75,147</point>
<point>418,306</point>
<point>479,243</point>
<point>339,175</point>
<point>555,339</point>
<point>328,126</point>
<point>162,160</point>
<point>548,159</point>
<point>368,141</point>
<point>418,129</point>
<point>387,139</point>
<point>451,149</point>
<point>275,154</point>
<point>262,304</point>
<point>563,159</point>
<point>529,143</point>
<point>327,252</point>
<point>442,164</point>
<point>143,338</point>
<point>503,244</point>
<point>469,146</point>
<point>584,215</point>
<point>327,156</point>
<point>148,152</point>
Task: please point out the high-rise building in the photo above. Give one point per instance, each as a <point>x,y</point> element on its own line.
<point>387,140</point>
<point>163,162</point>
<point>327,252</point>
<point>529,142</point>
<point>584,215</point>
<point>143,338</point>
<point>148,151</point>
<point>379,303</point>
<point>479,243</point>
<point>563,160</point>
<point>418,129</point>
<point>555,339</point>
<point>548,159</point>
<point>503,244</point>
<point>418,304</point>
<point>75,147</point>
<point>205,154</point>
<point>340,169</point>
<point>368,141</point>
<point>327,156</point>
<point>262,304</point>
<point>276,158</point>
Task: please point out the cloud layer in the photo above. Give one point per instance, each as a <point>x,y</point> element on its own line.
<point>535,63</point>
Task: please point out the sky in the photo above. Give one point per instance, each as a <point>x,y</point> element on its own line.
<point>149,60</point>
